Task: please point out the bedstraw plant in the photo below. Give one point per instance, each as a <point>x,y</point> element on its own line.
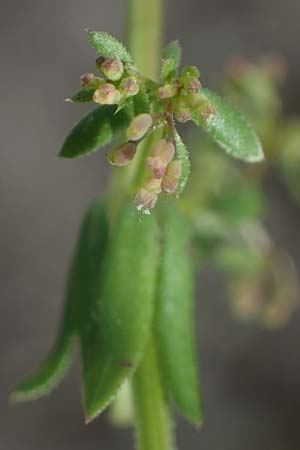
<point>130,290</point>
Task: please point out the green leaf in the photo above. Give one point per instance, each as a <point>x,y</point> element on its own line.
<point>50,372</point>
<point>170,60</point>
<point>174,320</point>
<point>83,277</point>
<point>113,343</point>
<point>82,96</point>
<point>183,156</point>
<point>94,131</point>
<point>108,46</point>
<point>230,130</point>
<point>141,102</point>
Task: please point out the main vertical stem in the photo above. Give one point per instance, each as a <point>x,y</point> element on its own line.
<point>144,34</point>
<point>153,424</point>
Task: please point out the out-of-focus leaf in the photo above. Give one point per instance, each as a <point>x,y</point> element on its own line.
<point>174,314</point>
<point>239,259</point>
<point>288,157</point>
<point>94,131</point>
<point>182,155</point>
<point>115,336</point>
<point>83,280</point>
<point>230,130</point>
<point>170,60</point>
<point>108,46</point>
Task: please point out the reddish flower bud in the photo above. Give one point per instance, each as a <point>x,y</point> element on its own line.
<point>107,94</point>
<point>90,81</point>
<point>139,127</point>
<point>191,84</point>
<point>182,112</point>
<point>129,86</point>
<point>122,155</point>
<point>170,180</point>
<point>153,185</point>
<point>112,69</point>
<point>145,199</point>
<point>159,157</point>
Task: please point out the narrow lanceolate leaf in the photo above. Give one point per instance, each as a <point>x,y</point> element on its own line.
<point>113,343</point>
<point>230,130</point>
<point>174,315</point>
<point>108,46</point>
<point>182,155</point>
<point>82,279</point>
<point>94,131</point>
<point>82,96</point>
<point>170,60</point>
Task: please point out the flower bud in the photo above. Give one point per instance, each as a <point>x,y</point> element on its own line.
<point>191,84</point>
<point>129,86</point>
<point>90,81</point>
<point>153,185</point>
<point>107,94</point>
<point>145,199</point>
<point>139,126</point>
<point>182,112</point>
<point>205,112</point>
<point>122,155</point>
<point>112,69</point>
<point>170,180</point>
<point>166,91</point>
<point>159,157</point>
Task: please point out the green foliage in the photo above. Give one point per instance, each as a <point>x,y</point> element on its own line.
<point>115,334</point>
<point>182,156</point>
<point>174,314</point>
<point>97,129</point>
<point>288,158</point>
<point>108,46</point>
<point>82,96</point>
<point>230,130</point>
<point>171,57</point>
<point>82,285</point>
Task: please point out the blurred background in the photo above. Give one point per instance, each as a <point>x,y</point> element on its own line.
<point>250,376</point>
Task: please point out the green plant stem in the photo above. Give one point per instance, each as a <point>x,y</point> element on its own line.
<point>153,423</point>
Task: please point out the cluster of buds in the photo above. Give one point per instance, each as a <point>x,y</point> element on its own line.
<point>162,169</point>
<point>178,98</point>
<point>184,95</point>
<point>116,84</point>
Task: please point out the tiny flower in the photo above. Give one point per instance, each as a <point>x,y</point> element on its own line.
<point>129,86</point>
<point>182,112</point>
<point>122,155</point>
<point>191,84</point>
<point>139,126</point>
<point>166,91</point>
<point>90,81</point>
<point>145,199</point>
<point>107,94</point>
<point>171,178</point>
<point>112,69</point>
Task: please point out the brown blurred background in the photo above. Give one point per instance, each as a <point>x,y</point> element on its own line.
<point>250,377</point>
